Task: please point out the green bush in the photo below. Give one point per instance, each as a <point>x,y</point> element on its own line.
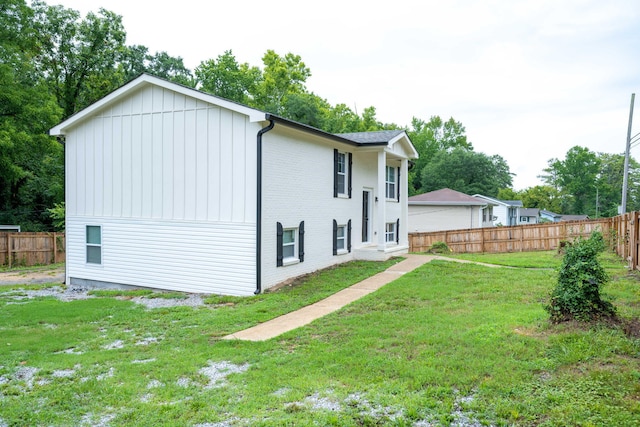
<point>439,248</point>
<point>577,294</point>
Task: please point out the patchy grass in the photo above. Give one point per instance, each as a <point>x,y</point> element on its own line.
<point>21,268</point>
<point>448,344</point>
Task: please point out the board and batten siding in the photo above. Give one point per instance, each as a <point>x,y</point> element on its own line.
<point>162,155</point>
<point>172,181</point>
<point>183,256</point>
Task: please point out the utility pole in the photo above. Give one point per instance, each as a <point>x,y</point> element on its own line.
<point>625,178</point>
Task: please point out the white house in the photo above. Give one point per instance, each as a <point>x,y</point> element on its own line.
<point>444,209</point>
<point>172,188</point>
<point>528,216</point>
<point>503,212</point>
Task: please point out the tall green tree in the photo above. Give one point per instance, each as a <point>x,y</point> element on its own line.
<point>282,76</point>
<point>228,79</point>
<point>575,180</point>
<point>31,175</point>
<point>77,57</point>
<point>466,171</point>
<point>430,138</point>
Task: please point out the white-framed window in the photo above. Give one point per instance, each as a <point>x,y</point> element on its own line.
<point>524,219</point>
<point>390,182</point>
<point>342,173</point>
<point>390,232</point>
<point>488,214</point>
<point>94,244</point>
<point>341,238</point>
<point>289,243</point>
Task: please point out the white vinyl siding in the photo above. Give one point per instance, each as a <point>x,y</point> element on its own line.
<point>185,256</point>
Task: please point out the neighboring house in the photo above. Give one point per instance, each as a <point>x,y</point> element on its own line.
<point>444,209</point>
<point>172,188</point>
<point>528,216</point>
<point>9,228</point>
<point>550,216</point>
<point>504,212</point>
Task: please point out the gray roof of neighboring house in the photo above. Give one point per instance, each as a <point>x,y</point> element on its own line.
<point>549,213</point>
<point>529,212</point>
<point>574,217</point>
<point>445,196</point>
<point>377,137</point>
<point>494,201</point>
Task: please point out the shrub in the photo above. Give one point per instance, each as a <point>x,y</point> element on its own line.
<point>439,248</point>
<point>577,294</point>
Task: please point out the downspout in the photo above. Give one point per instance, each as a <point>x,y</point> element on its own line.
<point>62,141</point>
<point>259,208</point>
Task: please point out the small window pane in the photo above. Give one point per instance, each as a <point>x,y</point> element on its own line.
<point>288,236</point>
<point>93,234</point>
<point>340,237</point>
<point>288,251</point>
<point>94,254</point>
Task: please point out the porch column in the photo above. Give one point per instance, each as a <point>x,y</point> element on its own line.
<point>381,200</point>
<point>404,203</point>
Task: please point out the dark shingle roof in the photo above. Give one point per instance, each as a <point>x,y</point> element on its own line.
<point>377,137</point>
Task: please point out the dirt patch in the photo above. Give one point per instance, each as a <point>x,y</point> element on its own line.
<point>35,275</point>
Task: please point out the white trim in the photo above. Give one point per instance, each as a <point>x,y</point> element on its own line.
<point>144,80</point>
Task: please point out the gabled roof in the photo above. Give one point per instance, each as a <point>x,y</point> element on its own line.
<point>528,212</point>
<point>498,202</point>
<point>376,137</point>
<point>445,196</point>
<point>549,213</point>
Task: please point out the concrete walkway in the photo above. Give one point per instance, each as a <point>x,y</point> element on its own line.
<point>308,314</point>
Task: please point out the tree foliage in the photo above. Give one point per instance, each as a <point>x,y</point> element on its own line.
<point>580,280</point>
<point>466,171</point>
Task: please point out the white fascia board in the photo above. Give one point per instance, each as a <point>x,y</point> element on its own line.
<point>146,79</point>
<point>403,138</point>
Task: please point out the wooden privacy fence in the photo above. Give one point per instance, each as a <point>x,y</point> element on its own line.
<point>622,232</point>
<point>27,249</point>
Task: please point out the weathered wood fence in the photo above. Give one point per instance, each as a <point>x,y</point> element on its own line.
<point>622,232</point>
<point>27,249</point>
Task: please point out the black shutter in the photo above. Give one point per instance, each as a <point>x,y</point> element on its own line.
<point>335,172</point>
<point>301,241</point>
<point>398,231</point>
<point>335,237</point>
<point>349,236</point>
<point>398,184</point>
<point>279,245</point>
<point>350,171</point>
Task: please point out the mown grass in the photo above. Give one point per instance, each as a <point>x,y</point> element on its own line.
<point>446,344</point>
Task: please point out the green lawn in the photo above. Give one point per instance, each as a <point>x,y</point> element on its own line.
<point>448,344</point>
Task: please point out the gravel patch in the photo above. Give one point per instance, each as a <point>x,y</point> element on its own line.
<point>114,345</point>
<point>73,293</point>
<point>154,384</point>
<point>63,373</point>
<point>106,375</point>
<point>27,375</point>
<point>217,372</point>
<point>192,300</point>
<point>138,361</point>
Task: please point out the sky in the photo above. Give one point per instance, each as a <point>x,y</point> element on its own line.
<point>528,79</point>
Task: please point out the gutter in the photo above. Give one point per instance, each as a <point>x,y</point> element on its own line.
<point>259,206</point>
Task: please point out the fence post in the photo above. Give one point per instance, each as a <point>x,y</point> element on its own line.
<point>55,247</point>
<point>9,249</point>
